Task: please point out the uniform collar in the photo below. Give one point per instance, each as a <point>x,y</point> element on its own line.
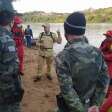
<point>76,40</point>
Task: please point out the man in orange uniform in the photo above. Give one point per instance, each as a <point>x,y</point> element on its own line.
<point>18,35</point>
<point>106,48</point>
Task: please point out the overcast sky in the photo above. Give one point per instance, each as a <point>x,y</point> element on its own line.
<point>59,5</point>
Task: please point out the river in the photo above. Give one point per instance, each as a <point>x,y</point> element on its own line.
<point>94,33</point>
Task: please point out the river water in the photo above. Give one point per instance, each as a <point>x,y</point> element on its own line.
<point>94,33</point>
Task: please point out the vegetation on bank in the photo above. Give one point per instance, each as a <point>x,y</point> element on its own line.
<point>93,16</point>
<point>41,17</point>
<point>99,15</point>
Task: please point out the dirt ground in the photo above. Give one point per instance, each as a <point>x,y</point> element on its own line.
<point>39,96</point>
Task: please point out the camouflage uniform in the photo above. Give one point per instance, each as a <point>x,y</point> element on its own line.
<point>45,44</point>
<point>82,75</point>
<point>8,65</point>
<point>10,85</point>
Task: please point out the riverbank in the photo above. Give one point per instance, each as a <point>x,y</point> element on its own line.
<point>39,96</point>
<point>101,15</point>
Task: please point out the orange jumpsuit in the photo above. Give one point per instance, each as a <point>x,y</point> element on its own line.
<point>18,35</point>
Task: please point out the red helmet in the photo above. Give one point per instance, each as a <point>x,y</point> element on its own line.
<point>108,33</point>
<point>17,20</point>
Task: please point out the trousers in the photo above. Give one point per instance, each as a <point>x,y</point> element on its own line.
<point>42,61</point>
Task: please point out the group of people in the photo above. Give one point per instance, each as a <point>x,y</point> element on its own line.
<point>84,71</point>
<point>45,46</point>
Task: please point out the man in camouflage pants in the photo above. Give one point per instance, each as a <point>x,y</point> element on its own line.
<point>81,70</point>
<point>45,45</point>
<point>10,86</point>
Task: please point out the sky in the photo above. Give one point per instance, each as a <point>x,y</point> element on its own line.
<point>59,5</point>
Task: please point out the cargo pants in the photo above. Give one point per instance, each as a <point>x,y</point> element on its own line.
<point>42,61</point>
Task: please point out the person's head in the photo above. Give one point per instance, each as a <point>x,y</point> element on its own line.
<point>18,21</point>
<point>46,27</point>
<point>6,12</point>
<point>28,26</point>
<point>108,34</point>
<point>75,25</point>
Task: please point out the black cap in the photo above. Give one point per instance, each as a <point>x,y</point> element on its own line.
<point>75,24</point>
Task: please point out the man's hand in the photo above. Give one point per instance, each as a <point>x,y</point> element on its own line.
<point>93,109</point>
<point>59,40</point>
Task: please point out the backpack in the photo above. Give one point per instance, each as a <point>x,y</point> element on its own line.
<point>50,36</point>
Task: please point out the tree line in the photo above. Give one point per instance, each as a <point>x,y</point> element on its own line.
<point>92,16</point>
